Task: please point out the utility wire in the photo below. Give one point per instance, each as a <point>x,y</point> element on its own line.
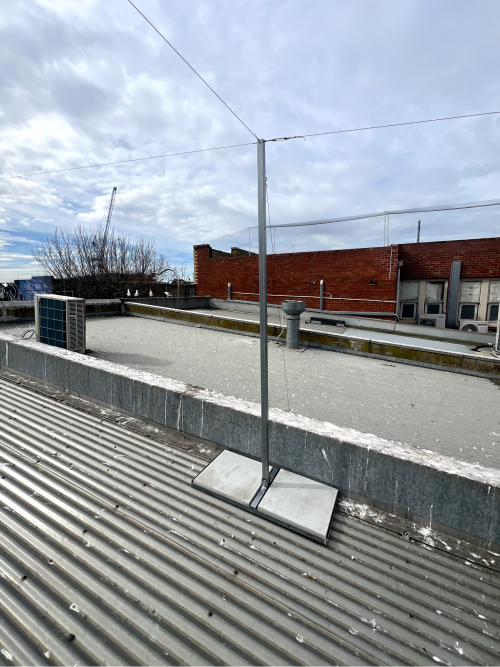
<point>138,159</point>
<point>218,148</point>
<point>379,127</point>
<point>191,67</point>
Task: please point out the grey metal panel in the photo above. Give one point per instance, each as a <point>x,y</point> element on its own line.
<point>108,556</point>
<point>453,289</point>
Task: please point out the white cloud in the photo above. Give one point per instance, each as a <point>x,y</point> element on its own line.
<point>91,82</point>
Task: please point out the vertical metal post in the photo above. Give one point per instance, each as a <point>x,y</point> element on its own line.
<point>264,380</point>
<point>229,291</point>
<point>321,294</point>
<point>398,290</point>
<point>453,294</point>
<point>418,232</point>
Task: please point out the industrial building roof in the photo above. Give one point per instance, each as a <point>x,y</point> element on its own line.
<point>109,556</point>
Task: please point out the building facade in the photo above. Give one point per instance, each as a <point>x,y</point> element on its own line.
<point>407,281</point>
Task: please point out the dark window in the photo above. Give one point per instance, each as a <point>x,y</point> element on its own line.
<point>493,314</point>
<point>433,308</point>
<point>408,311</point>
<point>468,311</point>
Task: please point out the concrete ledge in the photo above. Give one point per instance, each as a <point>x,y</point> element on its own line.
<point>103,307</point>
<point>368,323</point>
<point>17,311</point>
<point>179,302</point>
<point>459,498</point>
<point>470,364</point>
<point>24,311</point>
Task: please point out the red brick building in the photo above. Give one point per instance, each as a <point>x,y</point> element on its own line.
<point>410,280</point>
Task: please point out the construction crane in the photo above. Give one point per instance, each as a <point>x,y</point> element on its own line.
<point>106,230</point>
<point>108,221</point>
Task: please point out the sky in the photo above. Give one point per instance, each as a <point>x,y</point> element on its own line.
<point>90,81</point>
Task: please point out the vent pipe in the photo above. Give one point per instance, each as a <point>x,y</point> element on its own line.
<point>293,310</point>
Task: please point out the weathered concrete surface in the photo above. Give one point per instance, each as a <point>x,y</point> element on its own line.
<point>418,352</point>
<point>458,497</point>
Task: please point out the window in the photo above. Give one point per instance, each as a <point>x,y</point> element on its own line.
<point>409,290</point>
<point>493,312</point>
<point>408,293</point>
<point>434,291</point>
<point>470,291</point>
<point>493,301</point>
<point>494,291</point>
<point>408,311</point>
<point>434,297</point>
<point>468,311</point>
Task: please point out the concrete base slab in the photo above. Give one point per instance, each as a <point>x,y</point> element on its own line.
<point>295,502</point>
<point>231,476</point>
<point>306,505</point>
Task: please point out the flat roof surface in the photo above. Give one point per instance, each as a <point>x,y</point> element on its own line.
<point>109,556</point>
<point>450,413</point>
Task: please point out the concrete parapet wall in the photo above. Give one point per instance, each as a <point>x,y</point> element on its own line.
<point>103,307</point>
<point>180,302</point>
<point>470,364</point>
<point>24,311</point>
<point>17,311</point>
<point>453,335</point>
<point>456,497</point>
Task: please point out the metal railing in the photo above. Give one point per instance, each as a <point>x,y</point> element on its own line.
<point>302,296</point>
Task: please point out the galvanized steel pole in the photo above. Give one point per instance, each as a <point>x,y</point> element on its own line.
<point>264,381</point>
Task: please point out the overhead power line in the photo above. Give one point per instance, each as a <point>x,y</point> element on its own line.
<point>379,127</point>
<point>138,159</point>
<point>191,67</point>
<point>251,143</point>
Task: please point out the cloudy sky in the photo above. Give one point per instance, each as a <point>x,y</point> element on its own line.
<point>89,81</point>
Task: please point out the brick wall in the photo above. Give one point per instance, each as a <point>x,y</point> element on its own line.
<point>480,259</point>
<point>346,273</point>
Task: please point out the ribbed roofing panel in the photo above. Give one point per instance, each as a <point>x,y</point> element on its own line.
<point>109,556</point>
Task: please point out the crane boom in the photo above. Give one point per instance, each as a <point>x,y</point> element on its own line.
<point>106,229</point>
<point>110,212</point>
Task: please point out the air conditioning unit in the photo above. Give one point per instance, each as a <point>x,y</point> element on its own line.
<point>428,320</point>
<point>473,326</point>
<point>60,321</point>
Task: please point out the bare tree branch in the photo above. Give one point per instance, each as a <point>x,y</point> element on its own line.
<point>86,266</point>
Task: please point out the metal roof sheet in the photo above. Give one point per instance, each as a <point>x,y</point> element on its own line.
<point>109,556</point>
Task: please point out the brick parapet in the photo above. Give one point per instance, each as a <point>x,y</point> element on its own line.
<point>346,273</point>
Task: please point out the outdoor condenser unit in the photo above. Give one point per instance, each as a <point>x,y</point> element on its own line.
<point>431,320</point>
<point>474,326</point>
<point>60,321</point>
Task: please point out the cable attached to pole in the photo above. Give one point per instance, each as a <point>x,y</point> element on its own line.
<point>190,67</point>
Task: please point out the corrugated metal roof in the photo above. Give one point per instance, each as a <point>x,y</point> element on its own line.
<point>109,556</point>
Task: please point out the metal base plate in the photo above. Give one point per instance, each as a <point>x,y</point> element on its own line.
<point>231,476</point>
<point>295,502</point>
<point>302,503</point>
